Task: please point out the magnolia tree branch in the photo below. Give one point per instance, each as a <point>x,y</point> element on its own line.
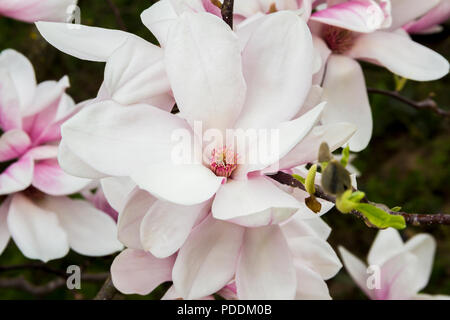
<point>227,12</point>
<point>410,218</point>
<point>428,103</point>
<point>107,291</point>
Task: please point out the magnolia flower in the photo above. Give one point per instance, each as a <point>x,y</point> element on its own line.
<point>270,262</point>
<point>35,211</point>
<point>430,22</point>
<point>215,83</point>
<point>36,10</point>
<point>398,271</point>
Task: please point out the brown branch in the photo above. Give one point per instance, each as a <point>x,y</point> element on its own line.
<point>428,103</point>
<point>227,12</point>
<point>107,291</point>
<point>116,12</point>
<point>410,218</point>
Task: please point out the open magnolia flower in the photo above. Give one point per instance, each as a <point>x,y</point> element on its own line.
<point>224,90</point>
<point>272,262</point>
<point>397,270</point>
<point>37,10</point>
<point>35,211</point>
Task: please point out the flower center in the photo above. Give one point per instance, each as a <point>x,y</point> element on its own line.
<point>338,40</point>
<point>223,161</point>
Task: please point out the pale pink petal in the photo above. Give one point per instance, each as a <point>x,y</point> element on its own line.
<point>265,269</point>
<point>386,244</point>
<point>90,232</point>
<point>323,52</point>
<point>277,69</point>
<point>354,15</point>
<point>38,10</point>
<point>138,272</point>
<point>207,260</point>
<point>51,179</point>
<point>166,226</point>
<point>37,232</point>
<point>4,232</point>
<point>205,88</point>
<point>211,8</point>
<point>357,270</point>
<point>404,57</point>
<point>83,42</point>
<point>135,73</point>
<point>13,144</point>
<point>404,11</point>
<point>310,285</point>
<point>10,117</point>
<point>253,202</point>
<point>423,246</point>
<point>299,227</point>
<point>317,254</point>
<point>22,74</point>
<point>118,140</point>
<point>117,190</point>
<point>344,89</point>
<point>17,176</point>
<point>435,16</point>
<point>136,207</point>
<point>159,18</point>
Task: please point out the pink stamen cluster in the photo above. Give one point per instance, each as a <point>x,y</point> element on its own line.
<point>338,40</point>
<point>223,161</point>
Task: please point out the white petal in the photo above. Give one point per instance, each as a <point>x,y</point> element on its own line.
<point>207,260</point>
<point>37,232</point>
<point>91,232</point>
<point>386,244</point>
<point>356,268</point>
<point>205,88</point>
<point>265,269</point>
<point>116,190</point>
<point>298,227</point>
<point>310,285</point>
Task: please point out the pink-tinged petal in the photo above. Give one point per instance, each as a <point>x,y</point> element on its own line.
<point>435,16</point>
<point>398,278</point>
<point>117,190</point>
<point>73,165</point>
<point>13,144</point>
<point>267,152</point>
<point>386,244</point>
<point>10,117</point>
<point>38,10</point>
<point>137,205</point>
<point>310,285</point>
<point>355,15</point>
<point>159,18</point>
<point>135,73</point>
<point>205,88</point>
<point>253,202</point>
<point>17,176</point>
<point>51,179</point>
<point>90,231</point>
<point>166,226</point>
<point>357,270</point>
<point>405,57</point>
<point>344,89</point>
<point>317,254</point>
<point>423,246</point>
<point>118,140</point>
<point>37,232</point>
<point>323,52</point>
<point>83,42</point>
<point>184,184</point>
<point>4,232</point>
<point>207,260</point>
<point>336,135</point>
<point>404,11</point>
<point>138,272</point>
<point>211,8</point>
<point>22,75</point>
<point>265,269</point>
<point>299,227</point>
<point>277,87</point>
<point>99,201</point>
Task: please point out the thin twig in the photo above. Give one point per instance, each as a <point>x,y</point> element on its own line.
<point>428,103</point>
<point>107,292</point>
<point>410,218</point>
<point>227,12</point>
<point>116,12</point>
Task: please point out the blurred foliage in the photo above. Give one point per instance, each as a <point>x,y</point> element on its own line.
<point>406,164</point>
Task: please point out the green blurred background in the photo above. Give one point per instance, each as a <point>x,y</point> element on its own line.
<point>406,164</point>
